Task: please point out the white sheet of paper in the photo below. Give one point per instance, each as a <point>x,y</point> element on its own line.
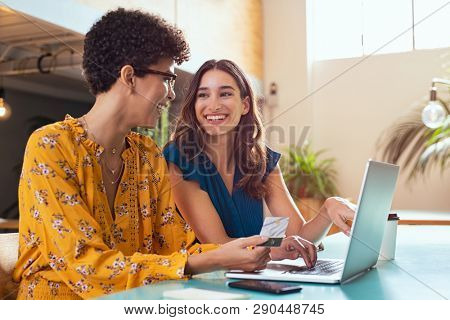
<point>202,294</point>
<point>274,227</point>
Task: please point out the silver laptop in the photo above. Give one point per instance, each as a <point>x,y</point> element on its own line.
<point>367,232</point>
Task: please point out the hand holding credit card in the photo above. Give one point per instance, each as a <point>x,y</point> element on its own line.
<point>275,229</point>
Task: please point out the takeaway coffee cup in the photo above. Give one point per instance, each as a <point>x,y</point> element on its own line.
<point>387,251</point>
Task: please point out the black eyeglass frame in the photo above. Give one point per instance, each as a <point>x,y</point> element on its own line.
<point>172,76</point>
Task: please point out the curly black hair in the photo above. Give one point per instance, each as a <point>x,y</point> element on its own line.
<point>131,37</point>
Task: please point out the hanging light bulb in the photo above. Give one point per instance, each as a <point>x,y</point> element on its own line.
<point>435,114</point>
<point>5,109</point>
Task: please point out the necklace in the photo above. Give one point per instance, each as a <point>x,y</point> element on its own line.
<point>118,177</point>
<point>113,151</point>
<point>113,171</point>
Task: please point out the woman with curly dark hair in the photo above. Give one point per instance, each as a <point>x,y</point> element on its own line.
<point>96,210</point>
<point>221,171</point>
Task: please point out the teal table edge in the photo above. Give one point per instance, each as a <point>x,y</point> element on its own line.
<point>419,271</point>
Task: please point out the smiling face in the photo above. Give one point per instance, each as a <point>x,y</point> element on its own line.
<point>218,105</point>
<point>151,93</point>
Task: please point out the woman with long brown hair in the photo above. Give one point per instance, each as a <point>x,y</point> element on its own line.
<point>221,171</point>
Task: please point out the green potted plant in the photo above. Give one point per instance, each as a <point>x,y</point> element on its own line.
<point>418,147</point>
<point>310,180</point>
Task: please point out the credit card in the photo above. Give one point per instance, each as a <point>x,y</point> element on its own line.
<point>275,229</point>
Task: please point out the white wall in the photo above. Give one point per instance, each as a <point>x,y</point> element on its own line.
<point>349,114</point>
<point>285,63</point>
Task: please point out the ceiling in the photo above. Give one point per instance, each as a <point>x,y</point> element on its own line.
<point>40,57</point>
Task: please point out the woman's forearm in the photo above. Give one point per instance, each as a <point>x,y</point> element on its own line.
<point>318,227</point>
<point>201,263</point>
<point>211,238</point>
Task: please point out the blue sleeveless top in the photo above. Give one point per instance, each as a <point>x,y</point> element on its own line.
<point>241,215</point>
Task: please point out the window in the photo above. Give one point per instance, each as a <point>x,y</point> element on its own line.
<point>353,28</point>
<point>432,32</point>
<point>387,26</point>
<point>336,29</point>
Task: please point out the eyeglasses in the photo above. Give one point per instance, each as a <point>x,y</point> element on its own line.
<point>168,77</point>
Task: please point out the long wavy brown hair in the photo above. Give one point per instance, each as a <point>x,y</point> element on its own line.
<point>249,151</point>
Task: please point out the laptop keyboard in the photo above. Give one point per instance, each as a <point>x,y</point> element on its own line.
<point>322,267</point>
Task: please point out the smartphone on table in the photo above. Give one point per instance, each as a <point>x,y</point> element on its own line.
<point>266,286</point>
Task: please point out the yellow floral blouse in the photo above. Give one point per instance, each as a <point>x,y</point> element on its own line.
<point>70,245</point>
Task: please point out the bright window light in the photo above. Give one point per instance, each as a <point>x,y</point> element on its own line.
<point>434,31</point>
<point>337,29</point>
<point>353,28</point>
<point>387,26</point>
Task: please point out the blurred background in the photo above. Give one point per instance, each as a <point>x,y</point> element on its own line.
<point>338,82</point>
